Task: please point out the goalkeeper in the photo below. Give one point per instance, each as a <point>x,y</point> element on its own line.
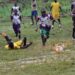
<point>21,44</point>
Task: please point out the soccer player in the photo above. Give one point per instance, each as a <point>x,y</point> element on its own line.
<point>15,8</point>
<point>16,22</point>
<point>45,25</point>
<point>55,11</point>
<point>73,17</point>
<point>34,12</point>
<point>21,44</point>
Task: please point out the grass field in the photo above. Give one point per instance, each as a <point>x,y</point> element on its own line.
<point>13,62</point>
<point>37,60</point>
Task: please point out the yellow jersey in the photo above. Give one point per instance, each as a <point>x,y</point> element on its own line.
<point>17,45</point>
<point>55,10</point>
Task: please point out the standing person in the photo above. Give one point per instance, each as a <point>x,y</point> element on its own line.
<point>16,21</point>
<point>15,8</point>
<point>34,12</point>
<point>73,17</point>
<point>55,10</point>
<point>45,25</point>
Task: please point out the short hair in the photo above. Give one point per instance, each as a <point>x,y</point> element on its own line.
<point>43,10</point>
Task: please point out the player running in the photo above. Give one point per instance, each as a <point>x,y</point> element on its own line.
<point>45,25</point>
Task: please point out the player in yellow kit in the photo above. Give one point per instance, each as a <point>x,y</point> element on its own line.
<point>21,44</point>
<point>55,11</point>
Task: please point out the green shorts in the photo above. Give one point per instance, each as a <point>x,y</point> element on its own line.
<point>44,32</point>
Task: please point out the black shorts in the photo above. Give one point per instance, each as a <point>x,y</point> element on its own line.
<point>16,27</point>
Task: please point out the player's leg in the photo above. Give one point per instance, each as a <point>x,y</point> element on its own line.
<point>19,31</point>
<point>15,29</point>
<point>25,44</point>
<point>73,34</point>
<point>32,17</point>
<point>43,40</point>
<point>24,41</point>
<point>59,21</point>
<point>43,36</point>
<point>36,14</point>
<point>53,21</point>
<point>54,17</point>
<point>48,31</point>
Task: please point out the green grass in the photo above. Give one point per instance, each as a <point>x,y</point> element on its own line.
<point>55,64</point>
<point>4,11</point>
<point>12,62</point>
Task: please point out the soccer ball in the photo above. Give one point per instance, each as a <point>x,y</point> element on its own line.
<point>59,48</point>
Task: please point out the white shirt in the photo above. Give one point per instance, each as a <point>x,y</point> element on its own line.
<point>45,20</point>
<point>16,19</point>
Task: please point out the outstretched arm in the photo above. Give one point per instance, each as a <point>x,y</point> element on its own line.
<point>11,17</point>
<point>72,6</point>
<point>6,36</point>
<point>20,18</point>
<point>11,11</point>
<point>8,39</point>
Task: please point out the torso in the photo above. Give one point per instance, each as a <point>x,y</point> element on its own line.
<point>55,7</point>
<point>45,20</point>
<point>16,19</point>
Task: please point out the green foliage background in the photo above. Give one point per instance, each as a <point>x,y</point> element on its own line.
<point>5,7</point>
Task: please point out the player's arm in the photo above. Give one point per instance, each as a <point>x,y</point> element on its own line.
<point>38,18</point>
<point>50,16</point>
<point>11,17</point>
<point>11,10</point>
<point>20,18</point>
<point>51,6</point>
<point>19,9</point>
<point>72,6</point>
<point>60,7</point>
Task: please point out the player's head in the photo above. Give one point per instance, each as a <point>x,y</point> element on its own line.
<point>33,0</point>
<point>43,12</point>
<point>15,4</point>
<point>34,5</point>
<point>55,0</point>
